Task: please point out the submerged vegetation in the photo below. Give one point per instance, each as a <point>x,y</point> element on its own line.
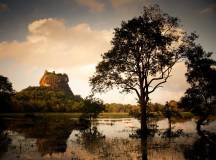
<point>62,137</point>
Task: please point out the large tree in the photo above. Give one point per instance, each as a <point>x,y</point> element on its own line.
<point>144,51</point>
<point>200,97</point>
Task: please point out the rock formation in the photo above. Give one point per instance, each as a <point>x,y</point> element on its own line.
<point>56,81</point>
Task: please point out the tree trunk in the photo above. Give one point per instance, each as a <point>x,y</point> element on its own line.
<point>144,148</point>
<point>199,123</point>
<point>170,127</point>
<point>143,119</point>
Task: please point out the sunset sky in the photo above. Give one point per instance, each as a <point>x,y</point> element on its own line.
<point>70,35</point>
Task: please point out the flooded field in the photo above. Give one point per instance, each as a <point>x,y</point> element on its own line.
<point>53,138</point>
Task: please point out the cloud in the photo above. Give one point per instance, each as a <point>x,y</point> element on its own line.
<point>209,9</point>
<point>127,3</point>
<point>93,5</point>
<point>3,7</point>
<point>175,86</point>
<point>51,43</point>
<point>120,3</point>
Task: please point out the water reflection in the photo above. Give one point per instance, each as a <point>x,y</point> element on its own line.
<point>4,139</point>
<point>67,138</point>
<point>50,133</point>
<point>203,148</point>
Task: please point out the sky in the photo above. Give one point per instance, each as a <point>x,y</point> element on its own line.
<point>69,36</point>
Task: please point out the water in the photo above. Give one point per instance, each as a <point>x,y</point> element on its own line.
<point>57,138</point>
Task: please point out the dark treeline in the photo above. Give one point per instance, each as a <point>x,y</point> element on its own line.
<point>129,108</point>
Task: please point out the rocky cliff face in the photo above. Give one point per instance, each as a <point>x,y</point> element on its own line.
<point>56,81</point>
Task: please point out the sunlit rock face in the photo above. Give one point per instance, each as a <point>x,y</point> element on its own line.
<point>56,81</point>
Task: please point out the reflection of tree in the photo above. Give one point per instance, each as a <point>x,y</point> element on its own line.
<point>4,142</point>
<point>4,139</point>
<point>51,132</point>
<point>144,148</point>
<point>91,138</point>
<point>150,145</point>
<point>203,148</point>
<point>169,133</point>
<point>170,111</point>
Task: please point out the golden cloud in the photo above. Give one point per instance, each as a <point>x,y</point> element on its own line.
<point>51,43</point>
<point>210,9</point>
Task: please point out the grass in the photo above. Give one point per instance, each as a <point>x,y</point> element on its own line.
<point>186,114</point>
<point>114,115</point>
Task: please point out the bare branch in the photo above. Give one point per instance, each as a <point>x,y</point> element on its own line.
<point>162,73</point>
<point>159,84</point>
<point>168,29</point>
<point>133,88</point>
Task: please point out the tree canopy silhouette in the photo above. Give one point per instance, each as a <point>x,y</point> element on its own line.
<point>144,50</point>
<point>200,98</point>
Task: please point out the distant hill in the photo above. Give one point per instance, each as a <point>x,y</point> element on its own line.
<point>46,99</point>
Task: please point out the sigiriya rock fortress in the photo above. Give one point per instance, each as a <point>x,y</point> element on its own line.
<point>56,81</point>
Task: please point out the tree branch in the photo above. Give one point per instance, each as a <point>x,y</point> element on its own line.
<point>162,73</point>
<point>165,80</point>
<point>132,88</point>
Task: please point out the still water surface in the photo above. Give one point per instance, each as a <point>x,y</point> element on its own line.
<point>105,138</point>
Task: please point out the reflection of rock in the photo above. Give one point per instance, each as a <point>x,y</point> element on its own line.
<point>51,133</point>
<point>51,146</point>
<point>56,81</point>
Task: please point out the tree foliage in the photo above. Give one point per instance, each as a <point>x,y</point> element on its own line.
<point>117,107</point>
<point>92,107</point>
<point>45,99</point>
<point>200,98</point>
<point>201,75</point>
